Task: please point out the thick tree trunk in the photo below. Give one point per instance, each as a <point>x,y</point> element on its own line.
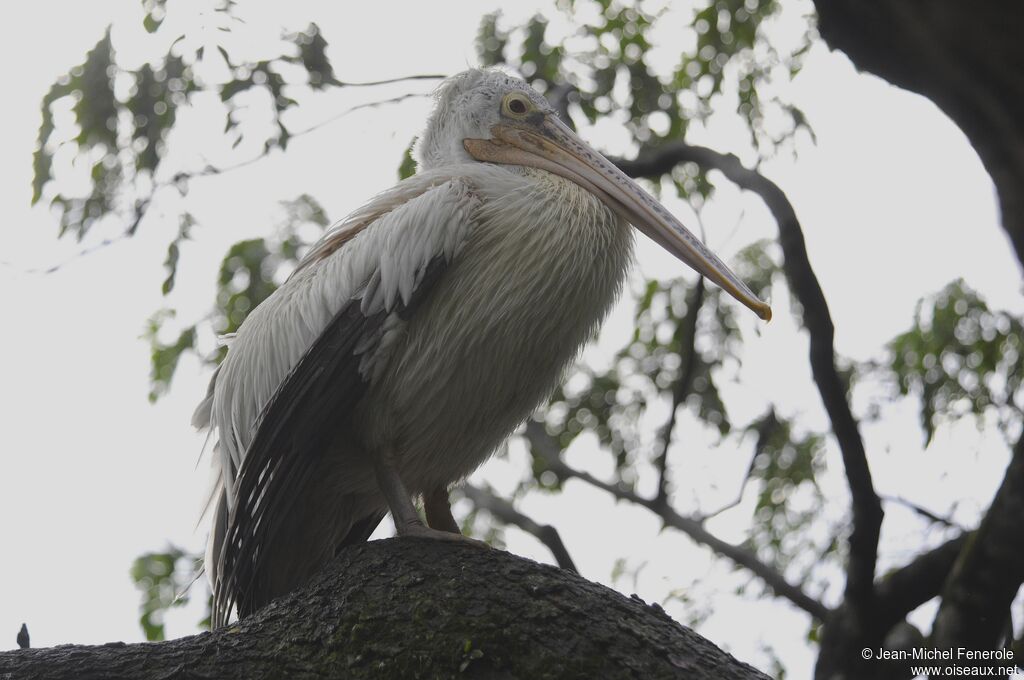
<point>967,57</point>
<point>413,608</point>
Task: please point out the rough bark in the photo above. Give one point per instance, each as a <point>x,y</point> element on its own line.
<point>988,572</point>
<point>414,608</point>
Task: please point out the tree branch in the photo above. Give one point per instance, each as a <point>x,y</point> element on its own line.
<point>923,512</point>
<point>405,608</point>
<point>505,512</point>
<point>391,81</point>
<point>547,449</point>
<point>867,509</point>
<point>907,588</point>
<point>989,570</point>
<point>764,430</point>
<point>686,335</point>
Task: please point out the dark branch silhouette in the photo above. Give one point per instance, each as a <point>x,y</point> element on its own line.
<point>867,509</point>
<point>505,512</point>
<point>687,336</point>
<point>907,588</point>
<point>922,511</point>
<point>989,570</point>
<point>547,449</point>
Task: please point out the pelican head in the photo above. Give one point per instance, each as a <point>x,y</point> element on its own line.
<point>492,117</point>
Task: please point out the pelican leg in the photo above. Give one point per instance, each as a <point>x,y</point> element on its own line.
<point>407,520</point>
<point>439,511</point>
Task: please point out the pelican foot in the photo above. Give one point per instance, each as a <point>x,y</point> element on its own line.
<point>419,530</point>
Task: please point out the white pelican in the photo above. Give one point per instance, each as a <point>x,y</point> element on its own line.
<point>417,334</point>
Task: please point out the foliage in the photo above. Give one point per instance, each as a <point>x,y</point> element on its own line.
<point>683,341</point>
<point>612,403</point>
<point>667,355</point>
<point>960,358</point>
<point>116,119</point>
<point>786,465</point>
<point>617,68</point>
<point>250,271</point>
<point>163,579</point>
<point>111,127</point>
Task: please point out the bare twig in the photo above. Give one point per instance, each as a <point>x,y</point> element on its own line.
<point>686,334</point>
<point>389,81</point>
<point>705,516</point>
<point>64,263</point>
<point>359,107</point>
<point>505,512</point>
<point>922,511</point>
<point>764,431</point>
<point>211,170</point>
<point>542,445</point>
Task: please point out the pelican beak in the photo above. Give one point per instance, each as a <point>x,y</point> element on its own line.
<point>544,142</point>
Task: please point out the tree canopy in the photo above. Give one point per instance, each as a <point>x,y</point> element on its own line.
<point>113,150</point>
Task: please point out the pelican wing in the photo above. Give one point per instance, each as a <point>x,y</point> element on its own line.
<point>293,433</point>
<point>305,356</point>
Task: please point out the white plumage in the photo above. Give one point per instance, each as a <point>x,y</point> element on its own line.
<point>412,339</point>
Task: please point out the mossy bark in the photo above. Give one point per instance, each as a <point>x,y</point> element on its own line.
<point>417,609</point>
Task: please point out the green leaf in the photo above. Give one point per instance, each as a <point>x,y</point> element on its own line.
<point>491,41</point>
<point>313,55</point>
<point>159,578</point>
<point>96,109</point>
<point>408,166</point>
<point>186,222</point>
<point>154,106</point>
<point>150,22</point>
<point>42,159</point>
<point>224,53</point>
<point>785,466</point>
<point>164,357</point>
<point>95,112</point>
<point>155,13</point>
<point>233,87</point>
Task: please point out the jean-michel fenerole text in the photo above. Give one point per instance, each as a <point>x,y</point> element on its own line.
<point>952,654</point>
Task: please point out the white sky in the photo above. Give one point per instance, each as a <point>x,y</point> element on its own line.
<point>893,201</point>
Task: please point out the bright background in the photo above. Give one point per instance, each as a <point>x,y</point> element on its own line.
<point>894,202</point>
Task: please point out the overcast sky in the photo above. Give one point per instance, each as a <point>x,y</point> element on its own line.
<point>893,200</point>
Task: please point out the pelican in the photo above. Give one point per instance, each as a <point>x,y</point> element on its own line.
<point>416,334</point>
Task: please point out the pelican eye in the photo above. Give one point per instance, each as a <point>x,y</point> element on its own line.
<point>516,105</point>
